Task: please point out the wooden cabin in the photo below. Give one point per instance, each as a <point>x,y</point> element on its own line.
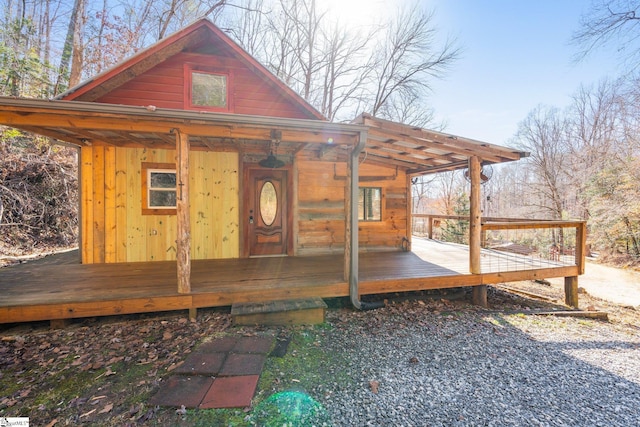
<point>192,151</point>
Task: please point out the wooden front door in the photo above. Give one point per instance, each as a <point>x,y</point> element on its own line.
<point>266,213</point>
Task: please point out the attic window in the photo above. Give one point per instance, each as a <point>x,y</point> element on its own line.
<point>158,188</point>
<point>207,88</point>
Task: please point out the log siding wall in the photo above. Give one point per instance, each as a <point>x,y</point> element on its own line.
<point>321,217</point>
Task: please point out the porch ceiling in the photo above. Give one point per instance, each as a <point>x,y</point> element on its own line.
<point>421,151</point>
<point>415,150</point>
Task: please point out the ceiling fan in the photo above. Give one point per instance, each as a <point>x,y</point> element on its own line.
<point>486,172</point>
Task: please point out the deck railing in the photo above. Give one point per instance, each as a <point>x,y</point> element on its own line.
<point>517,243</point>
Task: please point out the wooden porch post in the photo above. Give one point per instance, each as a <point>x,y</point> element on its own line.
<point>475,217</point>
<point>183,242</point>
<point>475,230</point>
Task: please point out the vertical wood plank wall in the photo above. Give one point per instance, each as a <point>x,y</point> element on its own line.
<point>320,219</point>
<point>113,227</point>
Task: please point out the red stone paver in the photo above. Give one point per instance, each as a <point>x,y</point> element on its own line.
<point>202,364</point>
<point>237,361</point>
<point>231,392</point>
<point>182,390</point>
<point>242,364</point>
<point>253,345</point>
<point>218,345</point>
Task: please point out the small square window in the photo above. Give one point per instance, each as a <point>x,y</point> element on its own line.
<point>162,188</point>
<point>208,90</point>
<point>158,189</point>
<point>370,204</point>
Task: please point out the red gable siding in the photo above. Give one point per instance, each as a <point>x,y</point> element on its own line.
<point>163,86</point>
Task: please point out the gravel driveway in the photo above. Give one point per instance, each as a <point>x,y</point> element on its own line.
<point>484,369</point>
<point>451,364</point>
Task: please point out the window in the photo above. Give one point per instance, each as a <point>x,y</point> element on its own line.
<point>208,90</point>
<point>158,188</point>
<point>370,204</point>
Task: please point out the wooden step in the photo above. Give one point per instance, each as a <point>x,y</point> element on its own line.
<point>289,312</point>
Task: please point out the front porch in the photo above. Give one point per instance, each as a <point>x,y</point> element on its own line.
<point>49,292</point>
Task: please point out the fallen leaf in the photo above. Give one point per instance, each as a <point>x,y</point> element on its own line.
<point>52,423</point>
<point>374,386</point>
<point>86,414</point>
<point>106,373</point>
<point>106,409</point>
<point>174,366</point>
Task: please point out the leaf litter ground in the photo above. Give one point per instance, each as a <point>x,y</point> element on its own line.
<point>103,371</point>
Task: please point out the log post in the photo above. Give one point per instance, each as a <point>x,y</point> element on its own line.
<point>475,231</point>
<point>475,216</point>
<point>183,242</point>
<point>571,291</point>
<point>430,227</point>
<point>479,296</point>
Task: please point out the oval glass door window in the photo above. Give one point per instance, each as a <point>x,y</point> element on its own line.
<point>268,203</point>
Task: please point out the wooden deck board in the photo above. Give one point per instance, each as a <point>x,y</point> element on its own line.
<point>45,291</point>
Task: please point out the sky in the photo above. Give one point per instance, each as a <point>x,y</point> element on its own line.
<point>516,55</point>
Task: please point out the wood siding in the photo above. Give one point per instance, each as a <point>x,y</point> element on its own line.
<point>321,216</point>
<point>163,87</point>
<point>113,227</point>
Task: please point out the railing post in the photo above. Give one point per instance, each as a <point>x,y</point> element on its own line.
<point>581,243</point>
<point>430,227</point>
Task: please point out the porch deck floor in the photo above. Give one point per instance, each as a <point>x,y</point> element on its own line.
<point>43,292</point>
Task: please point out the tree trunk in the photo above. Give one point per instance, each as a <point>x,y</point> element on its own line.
<point>77,59</point>
<point>68,48</point>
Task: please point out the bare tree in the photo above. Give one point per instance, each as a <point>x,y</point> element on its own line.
<point>344,73</point>
<point>593,125</point>
<point>615,22</point>
<point>171,15</point>
<point>406,60</point>
<point>246,23</point>
<point>543,134</point>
